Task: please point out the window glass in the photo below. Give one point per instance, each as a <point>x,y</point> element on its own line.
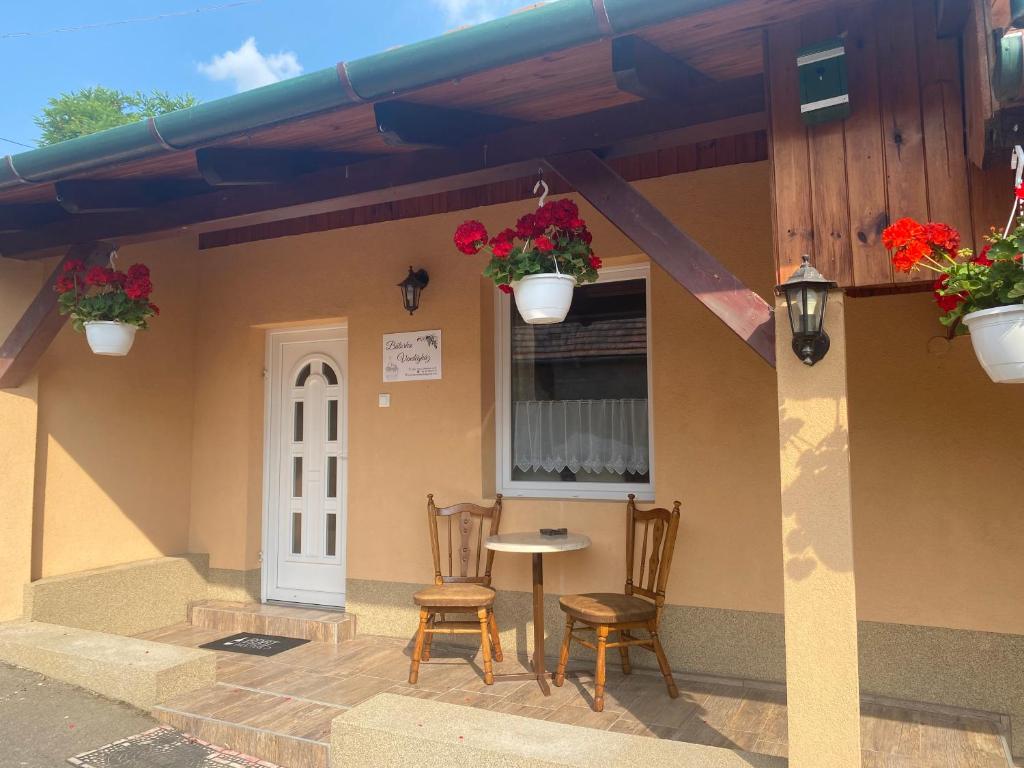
<point>579,390</point>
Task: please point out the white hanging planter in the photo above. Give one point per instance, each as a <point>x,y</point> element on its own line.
<point>112,338</point>
<point>544,299</point>
<point>998,338</point>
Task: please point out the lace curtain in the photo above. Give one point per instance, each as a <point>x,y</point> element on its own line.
<point>589,435</point>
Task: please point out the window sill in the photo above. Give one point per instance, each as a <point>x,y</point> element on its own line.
<point>619,493</point>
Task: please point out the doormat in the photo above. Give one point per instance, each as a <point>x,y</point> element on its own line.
<point>255,645</point>
<point>164,747</point>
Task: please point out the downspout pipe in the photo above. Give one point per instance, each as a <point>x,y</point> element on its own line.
<point>548,28</point>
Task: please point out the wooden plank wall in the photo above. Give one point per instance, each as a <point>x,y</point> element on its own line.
<point>901,152</point>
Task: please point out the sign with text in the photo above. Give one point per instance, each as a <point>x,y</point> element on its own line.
<point>414,356</point>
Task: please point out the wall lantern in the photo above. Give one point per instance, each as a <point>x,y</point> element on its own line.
<point>414,282</point>
<point>806,294</point>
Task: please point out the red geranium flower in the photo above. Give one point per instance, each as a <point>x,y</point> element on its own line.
<point>74,265</point>
<point>982,258</point>
<point>98,276</point>
<point>526,227</point>
<point>947,303</point>
<point>501,249</point>
<point>155,308</point>
<point>942,236</point>
<point>505,288</point>
<point>64,284</point>
<point>595,262</point>
<point>139,288</point>
<point>906,257</point>
<point>470,237</point>
<point>902,233</point>
<point>1020,192</point>
<point>543,244</point>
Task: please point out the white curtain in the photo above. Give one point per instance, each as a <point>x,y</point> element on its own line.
<point>589,435</point>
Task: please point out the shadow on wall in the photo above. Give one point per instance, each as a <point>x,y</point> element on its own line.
<point>114,442</point>
<point>811,541</point>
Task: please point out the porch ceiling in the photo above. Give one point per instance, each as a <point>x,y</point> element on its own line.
<point>722,42</point>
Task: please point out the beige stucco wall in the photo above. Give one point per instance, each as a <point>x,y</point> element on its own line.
<point>431,439</point>
<point>161,452</point>
<point>19,282</point>
<point>115,434</point>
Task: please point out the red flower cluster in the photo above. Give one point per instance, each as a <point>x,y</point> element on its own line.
<point>947,303</point>
<point>470,237</point>
<point>552,233</point>
<point>74,277</point>
<point>138,285</point>
<point>911,241</point>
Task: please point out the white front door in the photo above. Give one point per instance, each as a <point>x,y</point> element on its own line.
<point>307,456</point>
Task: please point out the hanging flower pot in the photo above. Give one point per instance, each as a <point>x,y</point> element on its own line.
<point>978,294</point>
<point>542,259</point>
<point>544,299</point>
<point>998,338</point>
<point>109,306</point>
<point>107,337</point>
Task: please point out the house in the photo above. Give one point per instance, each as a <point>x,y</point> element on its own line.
<point>849,529</point>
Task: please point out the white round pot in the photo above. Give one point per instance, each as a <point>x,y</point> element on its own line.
<point>111,338</point>
<point>998,338</point>
<point>544,299</point>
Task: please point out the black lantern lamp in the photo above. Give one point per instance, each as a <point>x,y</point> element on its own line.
<point>806,294</point>
<point>415,282</point>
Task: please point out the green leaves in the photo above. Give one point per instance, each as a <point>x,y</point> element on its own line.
<point>90,110</point>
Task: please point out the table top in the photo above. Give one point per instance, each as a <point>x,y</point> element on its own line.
<point>534,541</point>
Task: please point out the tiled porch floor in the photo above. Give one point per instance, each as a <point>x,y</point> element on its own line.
<point>300,691</point>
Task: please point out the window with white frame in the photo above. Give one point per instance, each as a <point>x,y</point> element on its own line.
<point>573,398</point>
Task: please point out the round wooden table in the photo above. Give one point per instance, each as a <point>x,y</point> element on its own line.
<point>536,544</point>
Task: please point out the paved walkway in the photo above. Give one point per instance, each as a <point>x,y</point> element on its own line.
<point>43,722</point>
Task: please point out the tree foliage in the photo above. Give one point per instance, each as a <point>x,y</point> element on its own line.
<point>89,110</point>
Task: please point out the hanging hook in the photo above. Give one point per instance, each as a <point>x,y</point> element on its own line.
<point>1017,164</point>
<point>541,184</point>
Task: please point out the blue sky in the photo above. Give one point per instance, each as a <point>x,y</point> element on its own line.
<point>210,48</point>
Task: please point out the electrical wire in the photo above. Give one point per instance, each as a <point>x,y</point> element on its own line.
<point>19,143</point>
<point>135,20</point>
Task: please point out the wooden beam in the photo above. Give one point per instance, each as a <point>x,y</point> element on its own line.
<point>106,195</point>
<point>40,323</point>
<point>508,155</point>
<point>15,217</point>
<point>952,16</point>
<point>231,166</point>
<point>746,313</point>
<point>650,73</point>
<point>406,123</point>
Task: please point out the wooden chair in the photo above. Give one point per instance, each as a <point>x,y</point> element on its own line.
<point>638,609</point>
<point>463,593</point>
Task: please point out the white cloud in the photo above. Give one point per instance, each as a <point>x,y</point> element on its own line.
<point>461,12</point>
<point>249,68</point>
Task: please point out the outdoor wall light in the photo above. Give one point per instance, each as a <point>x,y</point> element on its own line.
<point>414,282</point>
<point>806,294</point>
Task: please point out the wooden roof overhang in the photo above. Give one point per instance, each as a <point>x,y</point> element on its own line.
<point>671,83</point>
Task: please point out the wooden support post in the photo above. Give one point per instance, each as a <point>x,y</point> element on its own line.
<point>39,325</point>
<point>746,313</point>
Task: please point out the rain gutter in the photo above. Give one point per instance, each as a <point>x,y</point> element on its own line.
<point>546,29</point>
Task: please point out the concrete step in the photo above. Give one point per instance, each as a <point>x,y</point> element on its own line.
<point>285,730</point>
<point>128,669</point>
<point>306,623</point>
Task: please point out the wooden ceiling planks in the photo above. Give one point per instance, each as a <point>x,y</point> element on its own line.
<point>728,150</point>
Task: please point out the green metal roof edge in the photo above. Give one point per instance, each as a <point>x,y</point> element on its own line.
<point>548,28</point>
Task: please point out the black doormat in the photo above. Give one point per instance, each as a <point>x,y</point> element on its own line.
<point>255,645</point>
